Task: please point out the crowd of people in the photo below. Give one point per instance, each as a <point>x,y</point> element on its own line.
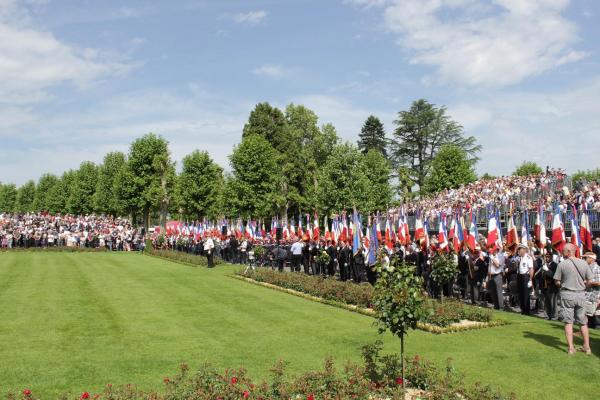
<point>90,231</point>
<point>519,276</point>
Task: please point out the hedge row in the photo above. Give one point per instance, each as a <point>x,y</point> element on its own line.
<point>180,257</point>
<point>378,377</point>
<point>357,298</point>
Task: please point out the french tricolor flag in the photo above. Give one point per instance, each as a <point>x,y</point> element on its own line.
<point>585,232</point>
<point>558,232</point>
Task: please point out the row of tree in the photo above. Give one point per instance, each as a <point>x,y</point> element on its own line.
<point>286,165</point>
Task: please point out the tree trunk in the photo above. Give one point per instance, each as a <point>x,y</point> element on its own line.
<point>402,359</point>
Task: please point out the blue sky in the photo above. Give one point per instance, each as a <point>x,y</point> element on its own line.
<point>81,78</point>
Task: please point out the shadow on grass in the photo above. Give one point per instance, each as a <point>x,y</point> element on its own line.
<point>559,341</point>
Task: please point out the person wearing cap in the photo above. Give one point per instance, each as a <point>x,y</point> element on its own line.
<point>593,291</point>
<point>524,278</point>
<point>573,276</point>
<point>495,276</point>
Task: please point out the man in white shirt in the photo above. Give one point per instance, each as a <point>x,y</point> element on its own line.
<point>296,254</point>
<point>495,277</point>
<point>209,246</point>
<point>524,278</point>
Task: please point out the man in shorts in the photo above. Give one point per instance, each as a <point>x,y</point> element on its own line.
<point>573,276</point>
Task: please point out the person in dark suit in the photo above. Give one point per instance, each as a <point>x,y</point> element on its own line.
<point>331,251</point>
<point>359,265</point>
<point>345,259</point>
<point>233,249</point>
<point>548,288</point>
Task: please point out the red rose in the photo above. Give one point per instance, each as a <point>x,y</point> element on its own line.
<point>399,381</point>
<point>234,380</point>
<point>246,394</point>
<point>310,397</point>
<point>84,395</point>
<point>27,392</point>
<point>166,380</point>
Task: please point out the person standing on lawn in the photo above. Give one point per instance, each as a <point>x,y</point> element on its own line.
<point>593,291</point>
<point>209,248</point>
<point>573,276</point>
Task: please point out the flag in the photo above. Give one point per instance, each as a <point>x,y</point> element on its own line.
<point>378,229</point>
<point>425,241</point>
<point>373,246</point>
<point>512,236</point>
<point>539,230</point>
<point>327,232</point>
<point>575,238</point>
<point>492,238</point>
<point>356,239</point>
<point>419,229</point>
<point>316,232</point>
<point>558,231</point>
<point>525,238</point>
<point>442,235</point>
<point>472,238</point>
<point>459,235</point>
<point>389,242</point>
<point>309,231</point>
<point>300,231</point>
<point>585,232</point>
<point>367,240</point>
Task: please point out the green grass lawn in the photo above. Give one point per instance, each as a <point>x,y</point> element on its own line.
<point>74,322</point>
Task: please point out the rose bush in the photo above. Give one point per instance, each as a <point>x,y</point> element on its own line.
<point>378,377</point>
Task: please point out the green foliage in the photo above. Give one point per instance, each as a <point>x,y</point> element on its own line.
<point>582,177</point>
<point>153,174</point>
<point>398,300</point>
<point>25,197</point>
<point>8,197</point>
<point>343,182</point>
<point>444,269</point>
<point>105,198</point>
<point>487,177</point>
<point>420,134</point>
<point>528,168</point>
<point>199,186</point>
<point>180,256</point>
<point>372,136</point>
<point>81,198</point>
<point>269,123</point>
<point>44,185</point>
<point>376,378</point>
<point>450,169</point>
<point>256,178</point>
<point>329,289</point>
<point>445,313</point>
<point>379,191</point>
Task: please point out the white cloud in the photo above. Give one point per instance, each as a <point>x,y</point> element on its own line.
<point>367,3</point>
<point>557,128</point>
<point>490,44</point>
<point>271,71</point>
<point>250,18</point>
<point>32,60</point>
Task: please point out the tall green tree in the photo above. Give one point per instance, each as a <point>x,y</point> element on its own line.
<point>528,168</point>
<point>45,184</point>
<point>270,123</point>
<point>420,134</point>
<point>256,178</point>
<point>25,197</point>
<point>8,197</point>
<point>343,182</point>
<point>199,186</point>
<point>81,197</point>
<point>59,193</point>
<point>125,191</point>
<point>372,136</point>
<point>105,199</point>
<point>450,168</point>
<point>379,191</point>
<point>153,175</point>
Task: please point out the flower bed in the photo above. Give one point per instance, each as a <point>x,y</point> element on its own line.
<point>180,257</point>
<point>449,316</point>
<point>376,378</point>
